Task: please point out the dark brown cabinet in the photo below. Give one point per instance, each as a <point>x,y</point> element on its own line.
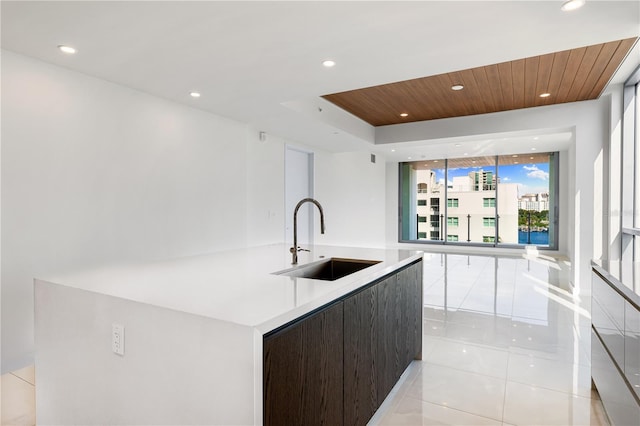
<point>338,365</point>
<point>360,348</point>
<point>303,371</point>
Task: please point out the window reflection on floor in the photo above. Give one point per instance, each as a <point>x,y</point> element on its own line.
<point>505,342</point>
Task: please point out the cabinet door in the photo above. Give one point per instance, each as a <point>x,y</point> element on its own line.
<point>399,326</point>
<point>303,371</point>
<point>360,343</point>
<point>410,287</point>
<point>389,322</point>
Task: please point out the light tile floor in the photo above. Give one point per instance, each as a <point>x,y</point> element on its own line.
<point>506,342</point>
<point>17,394</point>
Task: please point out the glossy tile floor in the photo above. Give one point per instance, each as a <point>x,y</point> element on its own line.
<point>506,342</point>
<point>18,398</point>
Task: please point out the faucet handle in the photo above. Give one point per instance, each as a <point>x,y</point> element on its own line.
<point>292,250</point>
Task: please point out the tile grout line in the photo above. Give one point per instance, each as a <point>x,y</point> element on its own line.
<point>506,381</point>
<point>24,380</point>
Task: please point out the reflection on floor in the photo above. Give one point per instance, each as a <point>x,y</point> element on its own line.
<point>506,342</point>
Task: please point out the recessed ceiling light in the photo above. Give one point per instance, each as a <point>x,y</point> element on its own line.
<point>409,158</point>
<point>435,161</point>
<point>404,114</point>
<point>473,161</point>
<point>514,155</point>
<point>458,144</point>
<point>533,149</point>
<point>515,162</point>
<point>466,153</point>
<point>545,95</point>
<point>572,5</point>
<point>67,49</point>
<point>457,87</point>
<point>194,94</point>
<point>328,63</point>
<point>393,150</point>
<point>530,158</point>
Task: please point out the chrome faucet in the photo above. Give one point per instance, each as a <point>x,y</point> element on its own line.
<point>294,250</point>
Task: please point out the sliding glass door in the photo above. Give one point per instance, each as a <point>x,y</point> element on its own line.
<point>493,200</point>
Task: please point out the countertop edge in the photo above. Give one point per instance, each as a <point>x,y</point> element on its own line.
<point>301,311</point>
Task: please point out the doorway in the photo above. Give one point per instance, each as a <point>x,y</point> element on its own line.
<point>298,179</point>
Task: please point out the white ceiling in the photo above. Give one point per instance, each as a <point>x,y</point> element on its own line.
<point>260,62</point>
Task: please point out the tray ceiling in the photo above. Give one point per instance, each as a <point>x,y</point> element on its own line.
<point>567,76</point>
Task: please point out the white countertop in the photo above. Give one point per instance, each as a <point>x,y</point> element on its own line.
<point>237,286</point>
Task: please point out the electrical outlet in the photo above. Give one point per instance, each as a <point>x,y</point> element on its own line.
<point>117,339</point>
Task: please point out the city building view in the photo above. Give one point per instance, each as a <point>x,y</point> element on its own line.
<point>479,204</point>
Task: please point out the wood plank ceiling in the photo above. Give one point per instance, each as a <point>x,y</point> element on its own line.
<point>567,76</point>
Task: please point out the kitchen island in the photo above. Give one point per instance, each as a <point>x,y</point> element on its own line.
<point>193,331</point>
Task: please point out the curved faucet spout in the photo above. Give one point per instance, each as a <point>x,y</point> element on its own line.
<point>294,249</point>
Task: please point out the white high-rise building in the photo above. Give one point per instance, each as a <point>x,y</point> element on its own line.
<point>537,202</point>
<point>470,207</point>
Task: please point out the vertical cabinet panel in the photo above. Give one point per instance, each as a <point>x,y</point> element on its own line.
<point>360,342</point>
<point>399,326</point>
<point>303,371</point>
<point>410,283</point>
<point>388,350</point>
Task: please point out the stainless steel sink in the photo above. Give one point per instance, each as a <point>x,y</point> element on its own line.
<point>328,269</point>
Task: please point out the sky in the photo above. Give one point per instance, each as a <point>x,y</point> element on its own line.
<point>531,178</point>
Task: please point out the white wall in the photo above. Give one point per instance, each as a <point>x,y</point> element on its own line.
<point>265,189</point>
<point>93,172</point>
<point>352,191</point>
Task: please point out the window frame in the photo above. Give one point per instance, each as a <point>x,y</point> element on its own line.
<point>454,203</point>
<point>630,170</point>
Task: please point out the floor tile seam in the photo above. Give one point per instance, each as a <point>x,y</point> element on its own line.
<point>452,408</point>
<point>22,379</point>
<point>474,344</point>
<point>472,311</point>
<point>504,396</point>
<point>492,376</point>
<point>570,394</point>
<point>459,370</point>
<point>579,364</point>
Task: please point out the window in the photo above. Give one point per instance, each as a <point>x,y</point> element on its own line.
<point>471,181</point>
<point>505,200</point>
<point>422,235</point>
<point>488,221</point>
<point>524,212</point>
<point>452,238</point>
<point>630,165</point>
